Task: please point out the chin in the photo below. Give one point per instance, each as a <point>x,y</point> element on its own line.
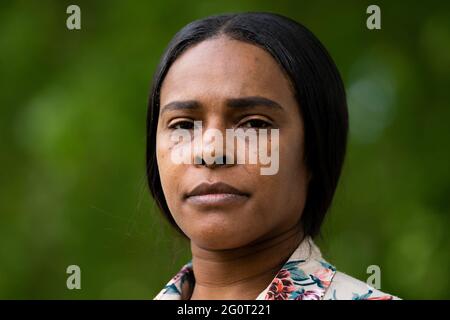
<point>218,237</point>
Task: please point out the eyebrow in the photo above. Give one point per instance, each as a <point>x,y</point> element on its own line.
<point>234,103</point>
<point>181,105</point>
<point>251,102</point>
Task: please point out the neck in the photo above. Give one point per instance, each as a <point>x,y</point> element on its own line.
<point>244,272</point>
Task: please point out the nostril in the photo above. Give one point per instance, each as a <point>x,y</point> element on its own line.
<point>218,161</point>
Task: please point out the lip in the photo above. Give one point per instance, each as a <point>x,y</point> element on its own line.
<point>215,194</point>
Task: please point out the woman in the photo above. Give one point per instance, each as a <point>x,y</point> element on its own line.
<point>250,233</point>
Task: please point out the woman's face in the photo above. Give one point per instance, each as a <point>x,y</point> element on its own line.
<point>212,82</point>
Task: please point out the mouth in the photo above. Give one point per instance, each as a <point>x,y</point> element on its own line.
<point>216,194</point>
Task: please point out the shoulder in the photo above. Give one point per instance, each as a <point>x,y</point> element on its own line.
<point>345,287</point>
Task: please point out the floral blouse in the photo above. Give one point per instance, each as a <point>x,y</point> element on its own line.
<point>305,276</point>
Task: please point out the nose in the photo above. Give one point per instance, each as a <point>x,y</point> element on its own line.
<point>219,161</point>
<point>209,148</point>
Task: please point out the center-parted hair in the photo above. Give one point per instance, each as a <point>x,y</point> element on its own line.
<point>318,89</point>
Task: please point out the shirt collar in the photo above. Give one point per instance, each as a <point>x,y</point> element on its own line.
<point>305,276</point>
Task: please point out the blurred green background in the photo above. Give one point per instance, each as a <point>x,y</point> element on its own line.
<point>72,136</point>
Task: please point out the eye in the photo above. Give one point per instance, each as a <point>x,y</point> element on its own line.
<point>183,124</point>
<point>256,123</point>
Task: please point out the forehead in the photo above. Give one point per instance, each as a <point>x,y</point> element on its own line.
<point>222,67</point>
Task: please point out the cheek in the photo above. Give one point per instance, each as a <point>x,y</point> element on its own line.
<point>292,153</point>
<point>285,192</point>
<point>161,155</point>
<point>164,149</point>
<point>293,172</point>
<point>167,169</point>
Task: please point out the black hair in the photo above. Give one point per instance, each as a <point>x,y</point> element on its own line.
<point>317,86</point>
